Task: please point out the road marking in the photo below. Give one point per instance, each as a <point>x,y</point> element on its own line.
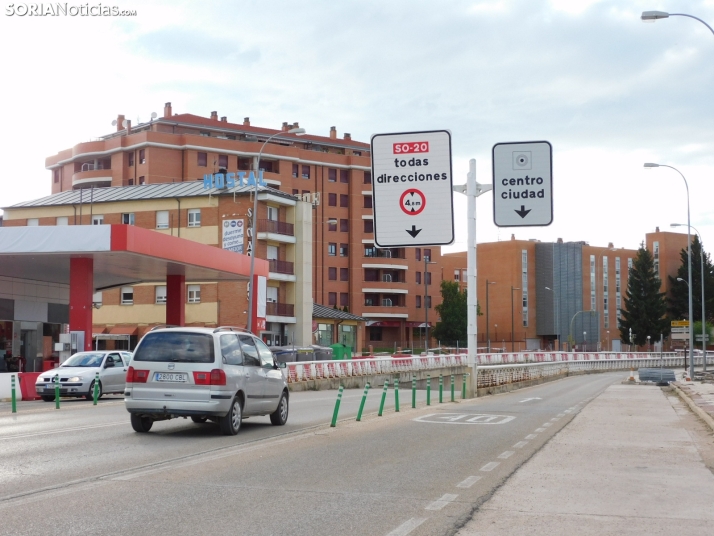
<point>408,526</point>
<point>561,415</point>
<point>520,444</point>
<point>531,436</point>
<point>470,481</point>
<point>490,466</point>
<point>63,430</point>
<point>464,418</point>
<point>443,501</point>
<point>555,419</point>
<point>546,424</point>
<point>568,411</point>
<point>506,455</point>
<point>539,430</point>
<point>529,399</point>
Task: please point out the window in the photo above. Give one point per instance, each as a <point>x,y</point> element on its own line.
<point>127,218</point>
<point>418,302</point>
<point>296,170</point>
<point>223,161</point>
<point>332,249</point>
<point>271,295</point>
<point>204,133</point>
<point>142,180</point>
<point>368,179</point>
<point>273,213</point>
<point>344,299</point>
<point>194,217</point>
<point>332,273</point>
<point>33,222</point>
<point>130,159</point>
<point>332,225</point>
<point>524,286</point>
<point>162,219</point>
<point>296,191</point>
<point>368,226</point>
<point>367,201</point>
<point>427,254</point>
<point>131,182</point>
<point>343,250</point>
<point>202,159</point>
<point>457,275</point>
<point>62,220</point>
<point>655,257</point>
<point>344,225</point>
<point>344,200</point>
<point>271,166</point>
<point>230,349</point>
<point>344,274</point>
<point>56,175</point>
<point>332,298</point>
<point>272,253</point>
<point>250,352</point>
<point>160,293</point>
<point>97,219</point>
<point>332,175</point>
<point>127,295</point>
<point>142,156</point>
<point>418,278</point>
<point>418,253</point>
<point>344,176</point>
<point>306,172</point>
<point>375,334</point>
<point>332,200</point>
<point>194,294</point>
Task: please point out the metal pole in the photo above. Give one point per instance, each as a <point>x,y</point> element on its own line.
<point>57,392</point>
<point>426,310</point>
<point>441,388</point>
<point>95,394</point>
<point>488,334</point>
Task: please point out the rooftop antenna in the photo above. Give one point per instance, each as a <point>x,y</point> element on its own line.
<point>114,122</point>
<point>125,123</point>
<point>154,115</point>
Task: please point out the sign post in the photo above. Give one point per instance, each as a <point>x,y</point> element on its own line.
<point>412,189</point>
<point>523,184</point>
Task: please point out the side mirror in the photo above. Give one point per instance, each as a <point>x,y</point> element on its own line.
<point>109,364</point>
<point>281,364</point>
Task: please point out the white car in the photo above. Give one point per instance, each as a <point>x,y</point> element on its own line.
<point>77,374</point>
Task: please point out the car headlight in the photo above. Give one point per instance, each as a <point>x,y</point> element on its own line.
<point>74,379</point>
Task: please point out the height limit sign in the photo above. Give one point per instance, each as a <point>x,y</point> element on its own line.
<point>523,184</point>
<point>411,189</point>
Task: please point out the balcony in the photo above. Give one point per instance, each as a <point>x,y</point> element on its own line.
<point>278,231</point>
<point>281,267</point>
<point>92,177</point>
<point>279,309</point>
<point>379,253</point>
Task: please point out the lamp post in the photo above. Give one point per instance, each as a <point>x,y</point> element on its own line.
<point>488,335</point>
<point>557,315</point>
<point>701,275</point>
<point>651,16</point>
<point>299,132</point>
<point>691,343</point>
<point>426,305</point>
<point>513,327</point>
<point>648,343</point>
<point>689,267</point>
<point>609,349</point>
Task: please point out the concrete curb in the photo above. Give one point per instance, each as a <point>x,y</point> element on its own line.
<point>693,406</point>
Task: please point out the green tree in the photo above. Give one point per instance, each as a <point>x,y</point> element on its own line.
<point>679,298</point>
<point>645,306</point>
<point>452,312</point>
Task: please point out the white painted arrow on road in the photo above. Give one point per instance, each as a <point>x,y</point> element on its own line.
<point>529,399</point>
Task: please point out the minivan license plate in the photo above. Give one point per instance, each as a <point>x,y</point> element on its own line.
<point>170,377</point>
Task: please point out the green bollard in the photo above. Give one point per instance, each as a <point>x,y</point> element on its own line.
<point>396,394</point>
<point>384,398</point>
<point>441,388</point>
<point>463,386</point>
<point>14,396</point>
<point>337,407</point>
<point>428,389</point>
<point>364,399</point>
<point>453,399</point>
<point>95,395</point>
<point>413,391</point>
<point>57,397</point>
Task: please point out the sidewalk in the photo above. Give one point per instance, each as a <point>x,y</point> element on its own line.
<point>699,397</point>
<point>624,465</point>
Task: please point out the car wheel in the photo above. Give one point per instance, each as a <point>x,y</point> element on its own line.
<point>280,415</point>
<point>199,420</point>
<point>48,398</point>
<point>141,424</point>
<point>90,393</point>
<point>230,424</point>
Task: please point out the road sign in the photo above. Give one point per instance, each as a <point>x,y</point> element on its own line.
<point>699,337</point>
<point>680,323</point>
<point>523,184</point>
<point>412,199</point>
<point>679,330</point>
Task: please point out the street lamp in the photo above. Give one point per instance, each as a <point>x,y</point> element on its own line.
<point>488,336</point>
<point>689,267</point>
<point>648,343</point>
<point>513,327</point>
<point>426,305</point>
<point>690,326</point>
<point>299,132</point>
<point>651,16</point>
<point>701,275</point>
<point>585,341</point>
<point>557,315</point>
<point>608,341</point>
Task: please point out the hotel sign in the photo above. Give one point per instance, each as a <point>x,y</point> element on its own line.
<point>221,181</point>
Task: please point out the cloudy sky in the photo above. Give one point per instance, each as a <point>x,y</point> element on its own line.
<point>606,90</point>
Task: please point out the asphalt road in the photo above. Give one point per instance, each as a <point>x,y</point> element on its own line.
<point>82,469</point>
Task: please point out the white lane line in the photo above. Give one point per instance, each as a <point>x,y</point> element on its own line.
<point>490,466</point>
<point>539,430</point>
<point>506,455</point>
<point>443,501</point>
<point>520,444</point>
<point>470,481</point>
<point>64,430</point>
<point>546,424</point>
<point>531,436</point>
<point>408,526</point>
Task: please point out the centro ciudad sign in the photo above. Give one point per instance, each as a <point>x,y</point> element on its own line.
<point>231,180</point>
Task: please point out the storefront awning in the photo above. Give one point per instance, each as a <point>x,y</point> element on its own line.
<point>124,330</point>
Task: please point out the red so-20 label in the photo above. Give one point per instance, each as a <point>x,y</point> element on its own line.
<point>411,147</point>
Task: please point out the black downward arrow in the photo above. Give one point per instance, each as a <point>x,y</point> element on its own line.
<point>523,212</point>
<point>414,231</point>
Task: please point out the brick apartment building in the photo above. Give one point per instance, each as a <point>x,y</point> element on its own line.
<point>152,175</point>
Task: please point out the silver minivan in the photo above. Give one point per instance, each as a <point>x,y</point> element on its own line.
<point>221,374</point>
